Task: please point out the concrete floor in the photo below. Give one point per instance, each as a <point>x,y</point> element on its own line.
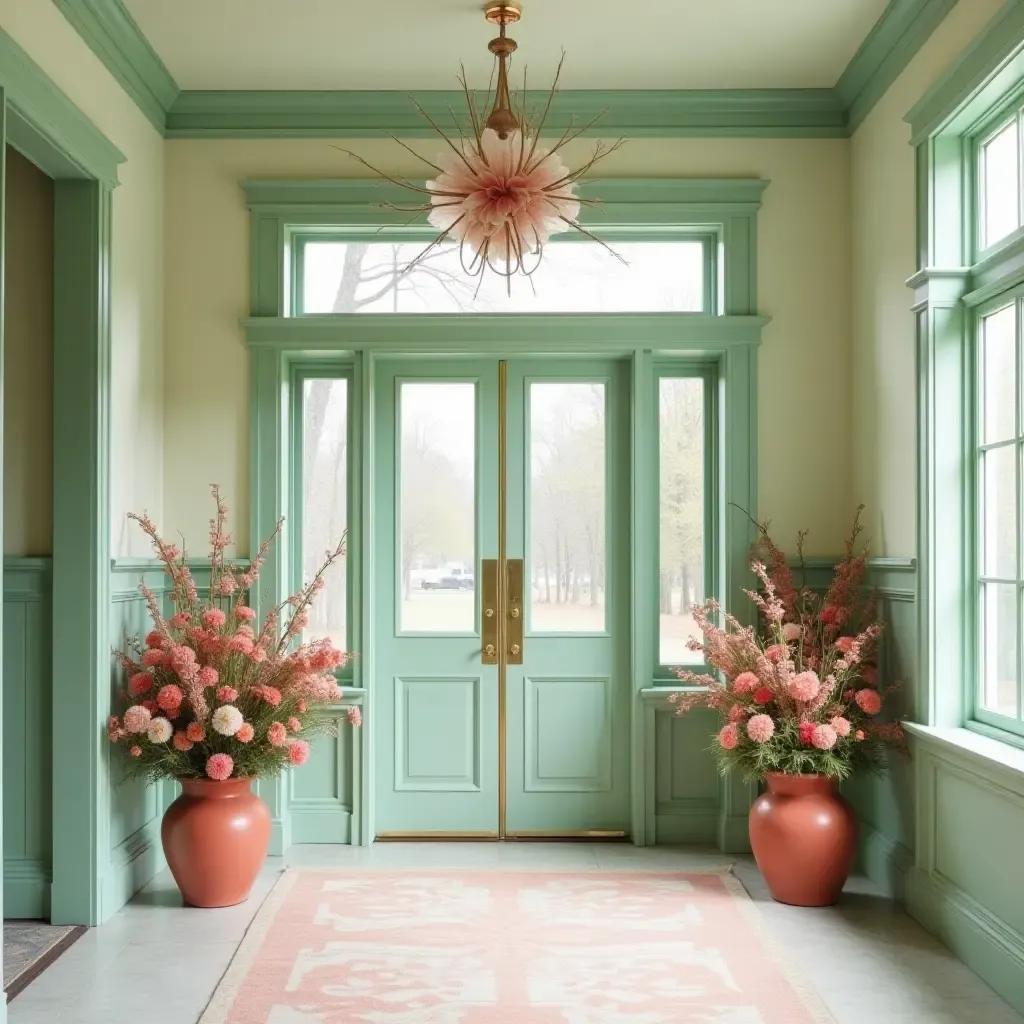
<point>157,962</point>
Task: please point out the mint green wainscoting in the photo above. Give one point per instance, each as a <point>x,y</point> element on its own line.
<point>324,794</point>
<point>27,741</point>
<point>133,854</point>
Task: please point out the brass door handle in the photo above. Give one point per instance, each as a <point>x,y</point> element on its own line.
<point>489,624</point>
<point>490,650</point>
<point>514,650</point>
<point>514,623</point>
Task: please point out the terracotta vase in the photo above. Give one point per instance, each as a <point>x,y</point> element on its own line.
<point>804,838</point>
<point>215,838</point>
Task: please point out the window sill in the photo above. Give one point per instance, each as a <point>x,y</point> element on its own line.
<point>981,750</point>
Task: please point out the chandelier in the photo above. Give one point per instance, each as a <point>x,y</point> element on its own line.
<point>495,190</point>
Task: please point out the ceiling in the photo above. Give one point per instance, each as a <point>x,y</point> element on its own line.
<point>413,45</point>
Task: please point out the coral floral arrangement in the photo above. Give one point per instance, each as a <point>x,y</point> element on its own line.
<point>208,695</point>
<point>802,697</point>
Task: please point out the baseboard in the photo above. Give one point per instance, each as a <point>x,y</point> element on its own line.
<point>321,826</point>
<point>134,863</point>
<point>677,829</point>
<point>734,833</point>
<point>884,860</point>
<point>26,889</point>
<point>986,943</point>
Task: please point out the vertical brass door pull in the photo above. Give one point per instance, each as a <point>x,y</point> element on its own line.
<point>514,626</point>
<point>489,606</point>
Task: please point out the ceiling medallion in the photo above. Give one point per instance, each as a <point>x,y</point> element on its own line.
<point>495,190</point>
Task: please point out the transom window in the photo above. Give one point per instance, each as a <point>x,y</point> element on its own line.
<point>576,275</point>
<point>1000,180</point>
<point>1000,572</point>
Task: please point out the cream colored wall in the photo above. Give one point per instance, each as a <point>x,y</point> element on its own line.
<point>28,360</point>
<point>883,369</point>
<point>803,268</point>
<point>137,268</point>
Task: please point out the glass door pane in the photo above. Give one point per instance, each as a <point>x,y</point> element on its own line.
<point>437,468</point>
<point>567,507</point>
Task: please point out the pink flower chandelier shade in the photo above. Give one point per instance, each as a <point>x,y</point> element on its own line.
<point>496,191</point>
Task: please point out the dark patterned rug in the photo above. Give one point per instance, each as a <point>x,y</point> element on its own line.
<point>30,947</point>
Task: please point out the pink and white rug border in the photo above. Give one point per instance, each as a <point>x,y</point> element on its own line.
<point>230,984</point>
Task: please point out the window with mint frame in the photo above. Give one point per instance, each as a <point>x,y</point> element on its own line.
<point>687,476</point>
<point>321,400</point>
<point>626,243</point>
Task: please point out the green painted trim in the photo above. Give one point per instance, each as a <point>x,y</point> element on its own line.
<point>903,28</point>
<point>884,860</point>
<point>985,71</point>
<point>112,34</point>
<point>521,334</point>
<point>46,127</point>
<point>81,528</point>
<point>633,202</point>
<point>631,113</point>
<point>26,889</point>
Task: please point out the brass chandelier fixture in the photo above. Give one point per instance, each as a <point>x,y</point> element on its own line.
<point>495,190</point>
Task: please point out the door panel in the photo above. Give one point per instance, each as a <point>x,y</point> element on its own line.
<point>567,500</point>
<point>436,494</point>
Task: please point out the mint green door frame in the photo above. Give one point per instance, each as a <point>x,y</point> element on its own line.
<point>725,343</point>
<point>45,126</point>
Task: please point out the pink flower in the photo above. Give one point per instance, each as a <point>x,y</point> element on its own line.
<point>294,725</point>
<point>140,683</point>
<point>214,618</point>
<point>257,654</point>
<point>354,716</point>
<point>169,697</point>
<point>195,732</point>
<point>137,718</point>
<point>869,702</point>
<point>227,586</point>
<point>219,767</point>
<point>859,735</point>
<point>760,728</point>
<point>729,736</point>
<point>842,726</point>
<point>848,695</point>
<point>845,644</point>
<point>150,705</point>
<point>271,694</point>
<point>869,674</point>
<point>763,695</point>
<point>244,612</point>
<point>153,657</point>
<point>182,742</point>
<point>277,734</point>
<point>824,737</point>
<point>179,621</point>
<point>804,686</point>
<point>245,732</point>
<point>806,733</point>
<point>298,752</point>
<point>775,653</point>
<point>208,676</point>
<point>301,705</point>
<point>240,643</point>
<point>227,694</point>
<point>745,682</point>
<point>791,631</point>
<point>114,730</point>
<point>830,615</point>
<point>154,639</point>
<point>135,751</point>
<point>737,712</point>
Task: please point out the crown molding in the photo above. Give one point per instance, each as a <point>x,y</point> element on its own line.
<point>903,28</point>
<point>116,39</point>
<point>112,34</point>
<point>634,113</point>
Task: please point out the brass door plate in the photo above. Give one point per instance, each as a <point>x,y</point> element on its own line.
<point>489,611</point>
<point>516,612</point>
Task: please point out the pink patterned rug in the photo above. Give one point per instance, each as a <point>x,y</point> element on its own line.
<point>500,947</point>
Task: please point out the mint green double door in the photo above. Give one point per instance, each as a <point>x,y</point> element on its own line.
<point>501,633</point>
